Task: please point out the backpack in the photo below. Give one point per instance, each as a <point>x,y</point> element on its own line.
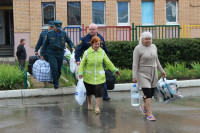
<point>32,60</point>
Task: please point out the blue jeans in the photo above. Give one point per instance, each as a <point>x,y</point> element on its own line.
<point>105,91</point>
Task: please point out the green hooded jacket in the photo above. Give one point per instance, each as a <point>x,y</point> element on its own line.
<point>91,66</point>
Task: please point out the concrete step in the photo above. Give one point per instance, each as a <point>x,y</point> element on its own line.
<point>6,51</point>
<point>7,59</point>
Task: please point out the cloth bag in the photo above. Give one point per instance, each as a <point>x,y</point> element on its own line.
<point>80,94</point>
<point>167,91</point>
<point>41,71</point>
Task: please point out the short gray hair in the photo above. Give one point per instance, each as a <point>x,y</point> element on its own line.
<point>145,35</point>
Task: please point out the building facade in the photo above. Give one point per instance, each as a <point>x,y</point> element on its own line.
<point>27,18</point>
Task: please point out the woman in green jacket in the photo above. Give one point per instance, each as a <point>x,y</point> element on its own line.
<point>92,71</point>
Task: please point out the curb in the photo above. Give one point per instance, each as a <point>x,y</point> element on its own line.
<point>23,93</point>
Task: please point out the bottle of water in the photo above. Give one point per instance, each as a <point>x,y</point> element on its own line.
<point>135,96</point>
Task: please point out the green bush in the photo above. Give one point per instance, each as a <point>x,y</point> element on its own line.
<point>10,76</point>
<point>178,71</point>
<point>196,69</point>
<point>169,50</point>
<point>125,77</point>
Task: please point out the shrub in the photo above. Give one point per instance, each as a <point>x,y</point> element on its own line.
<point>177,71</point>
<point>125,77</point>
<point>196,69</point>
<point>10,76</point>
<point>169,50</point>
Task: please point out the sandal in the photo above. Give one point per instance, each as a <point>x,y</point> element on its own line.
<point>97,111</point>
<point>151,118</point>
<point>144,112</point>
<point>90,108</point>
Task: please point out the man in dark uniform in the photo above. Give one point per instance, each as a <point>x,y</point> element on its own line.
<point>84,44</point>
<point>54,46</point>
<point>42,38</point>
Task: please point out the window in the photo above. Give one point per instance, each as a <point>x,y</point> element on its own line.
<point>48,13</point>
<point>171,12</point>
<point>147,12</point>
<point>123,13</point>
<point>74,13</point>
<point>98,13</point>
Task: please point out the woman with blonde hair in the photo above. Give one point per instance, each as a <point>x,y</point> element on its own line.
<point>92,71</point>
<point>145,65</point>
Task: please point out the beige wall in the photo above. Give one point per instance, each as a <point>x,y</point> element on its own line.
<point>28,14</point>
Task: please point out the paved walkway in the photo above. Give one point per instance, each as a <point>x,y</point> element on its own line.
<point>62,114</point>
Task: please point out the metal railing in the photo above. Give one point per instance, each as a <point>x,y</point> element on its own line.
<point>158,31</point>
<point>190,31</point>
<point>25,78</point>
<point>74,33</point>
<point>111,33</point>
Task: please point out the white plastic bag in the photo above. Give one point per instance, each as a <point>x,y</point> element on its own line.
<point>167,91</point>
<point>80,94</point>
<point>72,62</point>
<point>67,52</point>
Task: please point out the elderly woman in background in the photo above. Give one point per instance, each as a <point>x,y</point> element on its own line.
<point>92,71</point>
<point>145,65</point>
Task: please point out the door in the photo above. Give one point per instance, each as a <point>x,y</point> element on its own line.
<point>2,29</point>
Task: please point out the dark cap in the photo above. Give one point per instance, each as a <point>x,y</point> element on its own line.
<point>58,24</point>
<point>51,23</point>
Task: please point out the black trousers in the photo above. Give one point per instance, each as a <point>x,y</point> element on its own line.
<point>21,63</point>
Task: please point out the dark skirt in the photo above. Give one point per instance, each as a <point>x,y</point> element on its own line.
<point>97,90</point>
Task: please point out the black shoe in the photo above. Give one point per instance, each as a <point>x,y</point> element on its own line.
<point>106,99</point>
<point>50,82</point>
<point>56,87</point>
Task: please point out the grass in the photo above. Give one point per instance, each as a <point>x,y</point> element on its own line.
<point>66,73</point>
<point>10,77</point>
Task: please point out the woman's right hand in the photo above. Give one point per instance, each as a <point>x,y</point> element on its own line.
<point>134,80</point>
<point>80,76</point>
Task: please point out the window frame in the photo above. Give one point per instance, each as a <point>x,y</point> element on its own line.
<point>147,24</point>
<point>104,14</point>
<point>172,23</point>
<point>46,25</point>
<point>67,13</point>
<point>124,24</point>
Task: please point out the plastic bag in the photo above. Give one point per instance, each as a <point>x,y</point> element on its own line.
<point>76,71</point>
<point>41,71</point>
<point>67,56</point>
<point>80,94</point>
<point>72,62</point>
<point>167,91</point>
<point>67,52</point>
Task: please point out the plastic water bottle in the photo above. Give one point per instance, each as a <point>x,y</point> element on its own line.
<point>135,96</point>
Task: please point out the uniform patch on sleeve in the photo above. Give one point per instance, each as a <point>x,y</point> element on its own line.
<point>80,42</point>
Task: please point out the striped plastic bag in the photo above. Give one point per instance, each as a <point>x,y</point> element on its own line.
<point>41,71</point>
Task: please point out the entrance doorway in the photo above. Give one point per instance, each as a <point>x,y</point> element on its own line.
<point>6,29</point>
